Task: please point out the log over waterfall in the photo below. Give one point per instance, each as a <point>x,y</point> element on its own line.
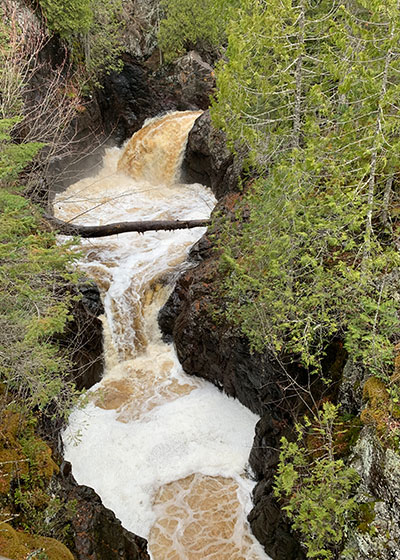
<point>67,228</point>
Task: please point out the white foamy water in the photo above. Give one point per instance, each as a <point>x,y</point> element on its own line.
<point>166,452</point>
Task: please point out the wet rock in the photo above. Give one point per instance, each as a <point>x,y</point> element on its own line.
<point>97,533</point>
<point>83,337</point>
<point>141,91</point>
<point>267,526</point>
<point>167,316</point>
<point>267,522</point>
<point>264,455</point>
<point>83,156</point>
<point>127,100</point>
<point>82,342</point>
<point>207,159</point>
<point>91,299</point>
<point>196,78</point>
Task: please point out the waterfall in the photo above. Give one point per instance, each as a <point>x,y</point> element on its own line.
<point>165,451</point>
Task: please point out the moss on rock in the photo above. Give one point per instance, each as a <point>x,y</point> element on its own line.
<point>378,411</point>
<point>17,545</point>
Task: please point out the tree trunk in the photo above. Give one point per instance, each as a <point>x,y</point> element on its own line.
<point>299,80</point>
<point>374,153</point>
<point>67,228</point>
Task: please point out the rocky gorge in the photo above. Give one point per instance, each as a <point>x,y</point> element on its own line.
<point>216,351</point>
<point>207,345</point>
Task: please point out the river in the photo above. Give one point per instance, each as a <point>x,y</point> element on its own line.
<point>165,451</point>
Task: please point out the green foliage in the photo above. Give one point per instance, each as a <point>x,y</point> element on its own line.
<point>92,29</point>
<point>257,82</point>
<point>42,513</point>
<point>34,302</point>
<point>187,24</point>
<point>68,18</point>
<point>315,486</point>
<point>297,282</point>
<point>14,157</point>
<point>310,90</point>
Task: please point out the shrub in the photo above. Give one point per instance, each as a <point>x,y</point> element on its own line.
<point>315,486</point>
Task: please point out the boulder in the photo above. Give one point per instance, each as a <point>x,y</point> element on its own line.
<point>196,78</point>
<point>208,160</point>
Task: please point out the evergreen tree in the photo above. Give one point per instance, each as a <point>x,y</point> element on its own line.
<point>188,24</point>
<point>314,485</point>
<point>35,303</point>
<point>310,89</point>
<point>91,29</point>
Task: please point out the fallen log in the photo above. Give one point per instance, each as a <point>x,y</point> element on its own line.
<point>66,228</point>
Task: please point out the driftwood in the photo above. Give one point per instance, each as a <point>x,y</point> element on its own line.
<point>67,228</point>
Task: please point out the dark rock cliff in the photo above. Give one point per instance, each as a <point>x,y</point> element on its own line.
<point>97,533</point>
<point>207,159</point>
<point>83,337</point>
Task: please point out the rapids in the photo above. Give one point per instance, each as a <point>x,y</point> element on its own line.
<point>166,452</point>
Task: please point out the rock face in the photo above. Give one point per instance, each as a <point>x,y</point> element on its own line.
<point>378,531</point>
<point>196,78</point>
<point>207,159</point>
<point>84,337</point>
<point>97,533</point>
<point>266,520</point>
<point>126,100</point>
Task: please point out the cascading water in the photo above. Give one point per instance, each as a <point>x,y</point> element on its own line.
<point>166,452</point>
